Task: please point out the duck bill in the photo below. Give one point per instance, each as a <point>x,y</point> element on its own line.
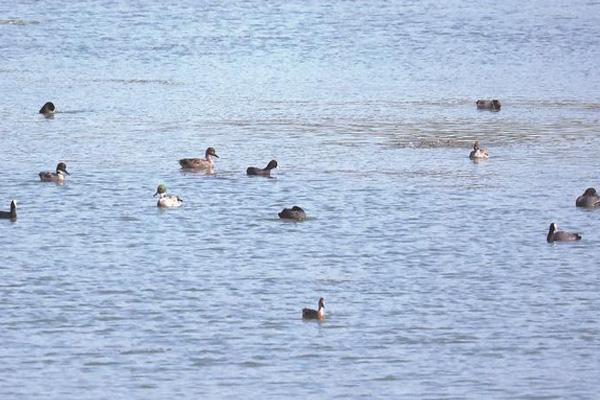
<point>65,171</point>
<point>215,155</point>
<point>155,194</point>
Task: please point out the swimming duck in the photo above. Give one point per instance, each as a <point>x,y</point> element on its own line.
<point>493,105</point>
<point>48,109</point>
<point>58,176</point>
<point>561,236</point>
<point>200,163</point>
<point>262,171</point>
<point>295,212</point>
<point>589,198</point>
<point>166,200</point>
<point>309,313</point>
<point>12,214</point>
<point>478,153</point>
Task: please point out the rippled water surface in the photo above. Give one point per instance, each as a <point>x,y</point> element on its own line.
<point>437,278</point>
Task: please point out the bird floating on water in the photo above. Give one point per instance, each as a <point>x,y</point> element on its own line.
<point>492,105</point>
<point>200,163</point>
<point>554,235</point>
<point>58,176</point>
<point>295,213</point>
<point>478,153</point>
<point>166,200</point>
<point>48,109</point>
<point>12,214</point>
<point>589,199</point>
<point>309,313</point>
<point>262,171</point>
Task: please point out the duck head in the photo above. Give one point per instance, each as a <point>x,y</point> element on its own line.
<point>321,303</point>
<point>62,167</point>
<point>272,164</point>
<point>160,190</point>
<point>13,205</point>
<point>211,152</point>
<point>589,192</point>
<point>476,145</point>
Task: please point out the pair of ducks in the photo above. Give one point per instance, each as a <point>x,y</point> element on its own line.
<point>589,199</point>
<point>207,163</point>
<point>166,200</point>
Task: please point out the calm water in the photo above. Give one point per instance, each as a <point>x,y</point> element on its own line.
<point>438,281</point>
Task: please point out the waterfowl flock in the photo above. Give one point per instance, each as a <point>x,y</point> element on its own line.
<point>589,199</point>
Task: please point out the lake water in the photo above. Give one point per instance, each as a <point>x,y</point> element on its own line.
<point>437,278</point>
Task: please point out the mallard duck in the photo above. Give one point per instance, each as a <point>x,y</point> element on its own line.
<point>48,109</point>
<point>58,176</point>
<point>309,313</point>
<point>589,199</point>
<point>200,163</point>
<point>478,153</point>
<point>262,171</point>
<point>295,212</point>
<point>12,214</point>
<point>555,235</point>
<point>493,105</point>
<point>166,200</point>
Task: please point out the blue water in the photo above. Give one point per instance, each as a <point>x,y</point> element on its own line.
<point>437,278</point>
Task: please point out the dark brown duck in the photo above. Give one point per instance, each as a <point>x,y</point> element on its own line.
<point>262,171</point>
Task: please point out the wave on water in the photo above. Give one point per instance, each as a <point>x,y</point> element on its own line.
<point>141,81</point>
<point>17,21</point>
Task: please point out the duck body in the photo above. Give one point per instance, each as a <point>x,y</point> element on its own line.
<point>589,199</point>
<point>169,201</point>
<point>478,153</point>
<point>58,176</point>
<point>166,200</point>
<point>47,109</point>
<point>554,235</point>
<point>262,171</point>
<point>309,313</point>
<point>12,214</point>
<point>492,105</point>
<point>295,213</point>
<point>200,163</point>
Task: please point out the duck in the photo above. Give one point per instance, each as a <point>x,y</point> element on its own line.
<point>554,235</point>
<point>12,214</point>
<point>200,163</point>
<point>478,153</point>
<point>166,200</point>
<point>58,176</point>
<point>589,198</point>
<point>262,171</point>
<point>48,109</point>
<point>309,313</point>
<point>493,105</point>
<point>295,212</point>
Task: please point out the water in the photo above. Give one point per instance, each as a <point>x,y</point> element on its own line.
<point>437,278</point>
